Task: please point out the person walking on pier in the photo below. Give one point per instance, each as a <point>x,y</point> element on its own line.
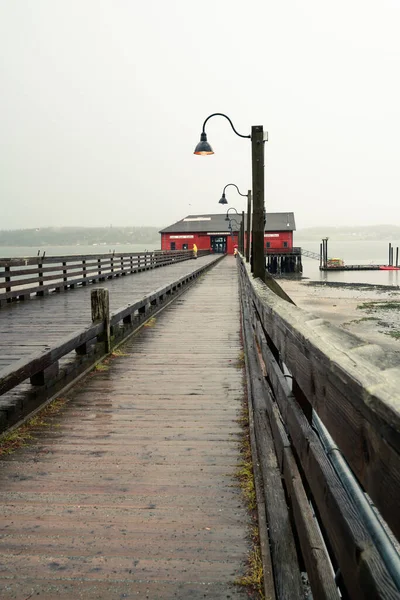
<point>194,251</point>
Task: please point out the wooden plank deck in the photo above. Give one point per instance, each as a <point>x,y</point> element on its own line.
<point>29,326</point>
<point>130,493</point>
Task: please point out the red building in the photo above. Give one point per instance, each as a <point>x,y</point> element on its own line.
<point>212,231</point>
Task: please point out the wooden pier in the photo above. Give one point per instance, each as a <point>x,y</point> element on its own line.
<point>130,489</point>
<point>283,260</point>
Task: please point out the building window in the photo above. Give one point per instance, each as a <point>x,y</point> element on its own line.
<point>173,246</point>
<point>185,247</point>
<point>285,244</point>
<point>268,244</point>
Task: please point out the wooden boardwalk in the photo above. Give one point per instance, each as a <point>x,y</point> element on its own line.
<point>26,327</point>
<point>130,493</point>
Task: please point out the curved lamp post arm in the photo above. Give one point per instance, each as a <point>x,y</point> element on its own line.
<point>234,185</point>
<point>226,117</point>
<point>231,208</point>
<point>203,148</point>
<point>223,199</point>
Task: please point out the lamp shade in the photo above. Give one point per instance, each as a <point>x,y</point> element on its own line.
<point>203,148</point>
<point>223,199</point>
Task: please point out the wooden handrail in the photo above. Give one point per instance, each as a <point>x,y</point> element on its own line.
<point>30,366</point>
<point>21,277</point>
<point>354,388</point>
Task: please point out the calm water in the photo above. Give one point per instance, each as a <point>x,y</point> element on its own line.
<point>353,253</point>
<point>26,251</point>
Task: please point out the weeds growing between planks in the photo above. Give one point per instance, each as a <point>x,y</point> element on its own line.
<point>253,579</point>
<point>20,437</point>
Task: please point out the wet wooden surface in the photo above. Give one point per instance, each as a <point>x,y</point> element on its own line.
<point>31,325</point>
<point>130,492</point>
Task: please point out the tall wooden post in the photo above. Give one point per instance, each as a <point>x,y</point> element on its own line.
<point>100,304</point>
<point>257,154</point>
<point>248,241</point>
<point>7,278</point>
<point>242,230</point>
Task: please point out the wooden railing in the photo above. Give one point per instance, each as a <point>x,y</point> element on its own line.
<point>293,250</point>
<point>326,416</point>
<point>43,370</point>
<point>21,277</point>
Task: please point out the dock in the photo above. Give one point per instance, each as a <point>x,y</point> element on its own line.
<point>124,441</point>
<point>131,490</point>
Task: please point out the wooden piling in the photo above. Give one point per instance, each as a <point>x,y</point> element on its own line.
<point>100,304</point>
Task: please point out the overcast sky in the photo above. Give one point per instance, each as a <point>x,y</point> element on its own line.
<point>102,103</point>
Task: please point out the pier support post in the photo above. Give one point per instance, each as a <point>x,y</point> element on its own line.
<point>257,148</point>
<point>248,226</point>
<point>100,304</point>
<point>242,235</point>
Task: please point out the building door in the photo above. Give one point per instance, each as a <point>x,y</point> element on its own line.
<point>218,244</point>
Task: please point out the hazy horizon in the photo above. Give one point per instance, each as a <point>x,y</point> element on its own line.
<point>159,227</point>
<point>103,102</point>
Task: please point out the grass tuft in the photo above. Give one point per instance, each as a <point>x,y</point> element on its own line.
<point>362,320</point>
<point>18,438</point>
<point>240,363</point>
<point>100,367</point>
<point>394,334</point>
<point>253,579</point>
<point>14,440</point>
<point>117,352</point>
<point>379,305</point>
<point>151,322</point>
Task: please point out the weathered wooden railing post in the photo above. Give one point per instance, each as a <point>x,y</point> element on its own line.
<point>8,277</point>
<point>40,275</point>
<point>84,272</point>
<point>100,304</point>
<point>65,278</point>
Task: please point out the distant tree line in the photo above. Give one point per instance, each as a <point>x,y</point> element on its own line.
<point>69,236</point>
<point>343,234</point>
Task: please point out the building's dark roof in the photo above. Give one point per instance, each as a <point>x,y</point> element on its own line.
<point>216,223</point>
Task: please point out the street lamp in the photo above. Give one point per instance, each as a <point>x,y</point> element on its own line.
<point>235,222</point>
<point>257,138</point>
<point>240,228</point>
<point>230,227</point>
<point>223,200</point>
<point>227,213</point>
